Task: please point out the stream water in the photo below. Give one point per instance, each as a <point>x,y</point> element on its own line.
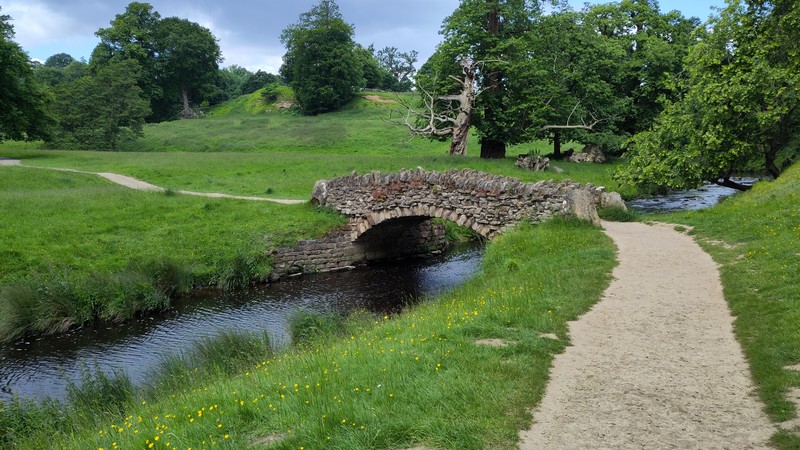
<point>692,199</point>
<point>44,367</point>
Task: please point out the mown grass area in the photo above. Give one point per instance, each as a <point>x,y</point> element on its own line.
<point>755,237</point>
<point>416,379</point>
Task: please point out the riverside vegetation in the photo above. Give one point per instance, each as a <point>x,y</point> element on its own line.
<point>415,379</point>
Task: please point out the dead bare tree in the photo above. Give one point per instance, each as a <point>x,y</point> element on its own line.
<point>446,115</point>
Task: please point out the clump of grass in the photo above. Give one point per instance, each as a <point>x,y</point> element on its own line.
<point>306,327</point>
<point>456,233</point>
<point>56,301</point>
<point>617,214</point>
<point>99,394</point>
<point>20,419</point>
<point>226,354</point>
<point>240,272</point>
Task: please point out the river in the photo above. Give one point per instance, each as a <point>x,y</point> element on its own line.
<point>688,200</point>
<point>44,367</point>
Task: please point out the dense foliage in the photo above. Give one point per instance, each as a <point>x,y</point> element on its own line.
<point>179,58</point>
<point>739,105</point>
<point>595,76</point>
<point>23,103</point>
<point>101,111</point>
<point>321,63</point>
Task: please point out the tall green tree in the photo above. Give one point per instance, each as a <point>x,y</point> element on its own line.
<point>24,104</point>
<point>179,59</point>
<point>187,64</point>
<point>655,44</point>
<point>400,66</point>
<point>740,103</point>
<point>132,35</point>
<point>99,111</point>
<point>569,81</point>
<point>321,63</point>
<point>537,75</point>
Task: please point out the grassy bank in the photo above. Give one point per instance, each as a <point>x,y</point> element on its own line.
<point>67,235</point>
<point>417,379</point>
<point>755,237</point>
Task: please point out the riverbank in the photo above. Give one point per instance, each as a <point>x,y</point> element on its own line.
<point>459,372</point>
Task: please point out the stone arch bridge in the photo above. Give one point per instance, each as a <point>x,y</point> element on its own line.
<point>390,214</point>
<point>489,204</point>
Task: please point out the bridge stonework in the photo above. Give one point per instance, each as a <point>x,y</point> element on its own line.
<point>488,204</point>
<point>391,214</point>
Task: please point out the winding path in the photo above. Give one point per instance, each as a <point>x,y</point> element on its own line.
<point>140,185</point>
<point>655,363</point>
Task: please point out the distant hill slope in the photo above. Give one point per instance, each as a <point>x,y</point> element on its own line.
<point>251,124</point>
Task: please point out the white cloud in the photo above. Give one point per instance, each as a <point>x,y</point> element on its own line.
<point>35,24</point>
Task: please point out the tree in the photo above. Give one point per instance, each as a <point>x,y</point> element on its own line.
<point>132,35</point>
<point>321,63</point>
<point>179,59</point>
<point>59,61</point>
<point>58,70</point>
<point>492,34</point>
<point>24,104</point>
<point>187,63</point>
<point>740,103</point>
<point>444,116</point>
<point>100,111</point>
<point>374,74</point>
<point>258,80</point>
<point>400,65</point>
<point>655,45</point>
<point>570,79</point>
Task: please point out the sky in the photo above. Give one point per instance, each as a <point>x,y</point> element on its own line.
<point>248,30</point>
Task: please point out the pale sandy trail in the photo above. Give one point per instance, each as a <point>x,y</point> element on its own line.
<point>139,185</point>
<point>655,364</point>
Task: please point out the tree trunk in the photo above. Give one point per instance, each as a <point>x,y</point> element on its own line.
<point>492,149</point>
<point>458,145</point>
<point>466,99</point>
<point>557,145</point>
<point>187,111</point>
<point>769,163</point>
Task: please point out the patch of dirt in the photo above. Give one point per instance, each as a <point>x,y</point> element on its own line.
<point>495,342</point>
<point>375,98</point>
<point>796,367</point>
<point>549,336</point>
<point>267,440</point>
<point>9,162</point>
<point>655,363</point>
<point>722,244</point>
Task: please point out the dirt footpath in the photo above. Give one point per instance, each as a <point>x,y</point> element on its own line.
<point>655,363</point>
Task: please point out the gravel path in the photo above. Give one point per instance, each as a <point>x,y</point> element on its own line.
<point>655,363</point>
